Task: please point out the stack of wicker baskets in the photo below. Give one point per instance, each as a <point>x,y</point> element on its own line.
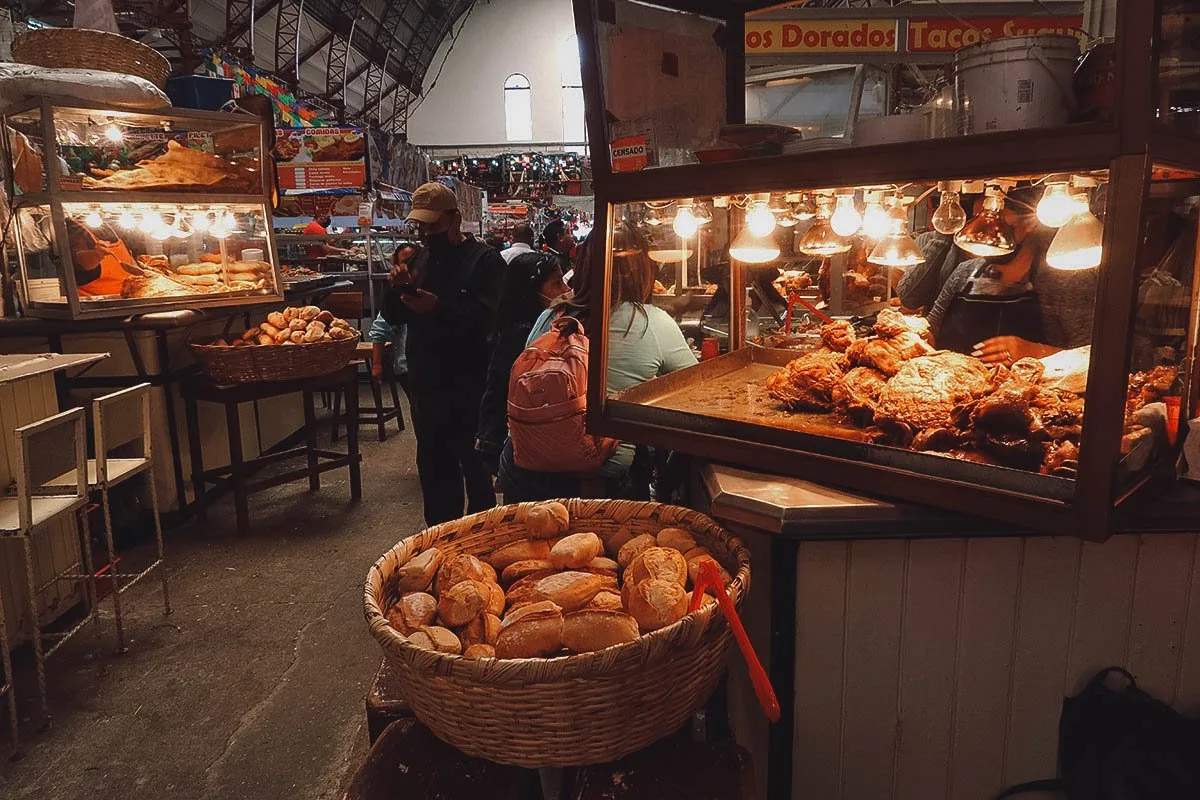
<point>573,710</point>
<point>78,48</point>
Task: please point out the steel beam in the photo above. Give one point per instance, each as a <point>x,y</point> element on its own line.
<point>287,39</point>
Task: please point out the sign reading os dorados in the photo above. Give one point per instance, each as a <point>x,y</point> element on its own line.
<point>822,36</point>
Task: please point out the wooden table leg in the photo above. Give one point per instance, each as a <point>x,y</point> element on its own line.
<point>351,391</point>
<point>237,468</point>
<point>310,441</point>
<point>192,420</point>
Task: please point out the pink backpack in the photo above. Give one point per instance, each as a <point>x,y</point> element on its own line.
<point>547,403</point>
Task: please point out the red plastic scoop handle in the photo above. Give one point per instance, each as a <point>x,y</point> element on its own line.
<point>795,298</point>
<point>709,578</point>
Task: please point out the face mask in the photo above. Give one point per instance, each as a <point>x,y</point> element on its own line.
<point>565,297</point>
<point>436,241</point>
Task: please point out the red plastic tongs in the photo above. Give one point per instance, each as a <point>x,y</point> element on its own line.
<point>709,579</point>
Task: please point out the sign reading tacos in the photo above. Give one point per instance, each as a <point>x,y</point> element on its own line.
<point>948,35</point>
<point>309,159</point>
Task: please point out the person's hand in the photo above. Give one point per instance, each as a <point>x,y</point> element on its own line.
<point>399,274</point>
<point>1007,350</point>
<point>376,371</point>
<point>420,301</point>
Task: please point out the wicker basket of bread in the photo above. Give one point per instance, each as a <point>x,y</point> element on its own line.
<point>297,342</point>
<point>556,634</point>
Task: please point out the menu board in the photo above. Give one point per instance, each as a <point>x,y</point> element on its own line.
<point>317,159</point>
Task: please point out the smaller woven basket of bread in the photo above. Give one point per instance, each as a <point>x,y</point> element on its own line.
<point>566,709</point>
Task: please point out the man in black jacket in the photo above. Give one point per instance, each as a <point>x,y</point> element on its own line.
<point>447,294</point>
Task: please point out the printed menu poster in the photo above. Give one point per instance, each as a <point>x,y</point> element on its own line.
<point>315,159</point>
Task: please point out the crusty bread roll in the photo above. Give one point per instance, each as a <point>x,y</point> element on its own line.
<point>417,573</point>
<point>524,590</point>
<point>660,563</point>
<point>268,329</point>
<point>489,572</point>
<point>633,547</point>
<point>547,520</point>
<point>676,539</point>
<point>595,629</point>
<point>708,600</point>
<point>695,552</point>
<point>532,631</point>
<point>308,312</point>
<point>575,551</point>
<point>478,651</point>
<point>463,602</point>
<point>456,569</point>
<point>412,611</point>
<point>325,316</point>
<point>297,324</point>
<point>571,591</point>
<point>198,280</point>
<point>654,604</point>
<point>204,268</point>
<point>521,569</point>
<point>277,319</point>
<point>613,542</point>
<point>265,338</point>
<point>607,599</point>
<point>481,630</point>
<point>523,550</point>
<point>602,565</point>
<point>496,601</point>
<point>435,637</point>
<point>693,569</point>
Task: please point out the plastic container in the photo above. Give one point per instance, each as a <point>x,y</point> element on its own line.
<point>1015,83</point>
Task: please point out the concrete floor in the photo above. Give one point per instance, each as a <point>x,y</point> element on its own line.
<point>253,687</point>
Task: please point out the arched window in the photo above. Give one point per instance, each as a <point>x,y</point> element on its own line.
<point>574,127</point>
<point>518,109</point>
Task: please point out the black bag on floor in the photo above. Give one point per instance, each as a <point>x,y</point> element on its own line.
<point>1122,744</point>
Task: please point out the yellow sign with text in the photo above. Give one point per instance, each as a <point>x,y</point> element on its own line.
<point>825,36</point>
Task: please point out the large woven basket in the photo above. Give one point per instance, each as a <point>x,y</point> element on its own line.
<point>228,365</point>
<point>78,48</point>
<point>573,710</point>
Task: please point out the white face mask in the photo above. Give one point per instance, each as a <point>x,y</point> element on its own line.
<point>565,297</point>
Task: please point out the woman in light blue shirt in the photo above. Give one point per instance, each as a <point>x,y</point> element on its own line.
<point>643,343</point>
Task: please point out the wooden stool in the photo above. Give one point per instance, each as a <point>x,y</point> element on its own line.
<point>237,474</point>
<point>377,414</point>
<point>385,705</point>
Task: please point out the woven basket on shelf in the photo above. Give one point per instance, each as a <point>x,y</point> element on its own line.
<point>78,48</point>
<point>272,362</point>
<point>573,710</point>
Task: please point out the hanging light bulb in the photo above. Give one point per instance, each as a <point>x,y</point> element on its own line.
<point>950,217</point>
<point>93,219</point>
<point>988,235</point>
<point>161,233</point>
<point>897,248</point>
<point>805,209</point>
<point>1057,207</point>
<point>759,217</point>
<point>875,221</point>
<point>151,221</point>
<point>652,218</point>
<point>114,134</point>
<point>1079,244</point>
<point>201,221</point>
<point>229,222</point>
<point>752,248</point>
<point>127,220</point>
<point>846,220</point>
<point>821,239</point>
<point>685,223</point>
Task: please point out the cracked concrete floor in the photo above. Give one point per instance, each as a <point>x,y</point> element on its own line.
<point>253,687</point>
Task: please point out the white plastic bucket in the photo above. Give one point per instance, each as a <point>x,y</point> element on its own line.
<point>1015,83</point>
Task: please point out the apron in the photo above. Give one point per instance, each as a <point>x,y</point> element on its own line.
<point>108,276</point>
<point>986,308</point>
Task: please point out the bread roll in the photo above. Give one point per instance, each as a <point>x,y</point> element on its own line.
<point>576,550</point>
<point>269,329</point>
<point>463,602</point>
<point>676,539</point>
<point>570,591</point>
<point>631,549</point>
<point>277,319</point>
<point>252,333</point>
<point>266,338</point>
<point>708,600</point>
<point>521,569</point>
<point>417,573</point>
<point>609,599</point>
<point>695,552</point>
<point>288,313</point>
<point>532,631</point>
<point>308,312</point>
<point>655,604</point>
<point>659,563</point>
<point>523,550</point>
<point>297,324</point>
<point>496,601</point>
<point>439,639</point>
<point>603,566</point>
<point>198,280</point>
<point>481,630</point>
<point>456,569</point>
<point>613,542</point>
<point>478,651</point>
<point>489,572</point>
<point>412,611</point>
<point>325,316</point>
<point>595,629</point>
<point>194,270</point>
<point>693,569</point>
<point>296,337</point>
<point>524,590</point>
<point>547,520</point>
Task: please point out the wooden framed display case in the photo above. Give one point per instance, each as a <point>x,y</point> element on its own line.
<point>118,212</point>
<point>922,252</point>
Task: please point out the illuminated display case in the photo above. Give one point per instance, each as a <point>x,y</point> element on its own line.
<point>118,212</point>
<point>1002,324</point>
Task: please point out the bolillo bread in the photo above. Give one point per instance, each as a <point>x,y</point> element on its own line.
<point>417,573</point>
<point>547,520</point>
<point>533,631</point>
<point>596,629</point>
<point>463,602</point>
<point>661,563</point>
<point>478,651</point>
<point>633,548</point>
<point>524,550</point>
<point>496,601</point>
<point>433,637</point>
<point>654,603</point>
<point>412,611</point>
<point>576,550</point>
<point>608,599</point>
<point>456,569</point>
<point>676,539</point>
<point>523,569</point>
<point>613,542</point>
<point>570,591</point>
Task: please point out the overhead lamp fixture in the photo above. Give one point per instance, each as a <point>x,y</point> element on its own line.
<point>669,255</point>
<point>821,240</point>
<point>875,220</point>
<point>1079,244</point>
<point>114,134</point>
<point>759,218</point>
<point>950,217</point>
<point>989,235</point>
<point>127,220</point>
<point>752,248</point>
<point>1057,206</point>
<point>151,221</point>
<point>652,218</point>
<point>805,209</point>
<point>702,213</point>
<point>201,221</point>
<point>897,248</point>
<point>93,219</point>
<point>846,220</point>
<point>685,224</point>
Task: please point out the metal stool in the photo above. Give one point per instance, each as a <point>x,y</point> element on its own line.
<point>51,484</point>
<point>122,420</point>
<point>376,414</point>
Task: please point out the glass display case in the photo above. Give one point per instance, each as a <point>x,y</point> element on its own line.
<point>358,255</point>
<point>1002,324</point>
<point>116,212</point>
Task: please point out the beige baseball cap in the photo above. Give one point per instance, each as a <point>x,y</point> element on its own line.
<point>430,201</point>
